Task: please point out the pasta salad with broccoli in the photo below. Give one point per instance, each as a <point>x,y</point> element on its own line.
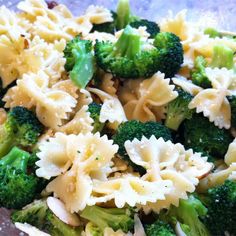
<point>114,125</point>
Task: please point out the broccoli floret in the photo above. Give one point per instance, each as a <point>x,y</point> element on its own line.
<point>22,128</point>
<point>152,28</point>
<point>124,15</point>
<point>178,111</point>
<point>109,217</point>
<point>159,228</point>
<point>93,230</point>
<point>170,53</point>
<point>214,142</point>
<point>80,62</point>
<point>94,110</point>
<point>221,204</point>
<point>126,58</point>
<point>188,214</point>
<point>223,56</point>
<point>130,130</point>
<point>55,227</point>
<point>198,73</point>
<point>34,214</point>
<point>17,187</point>
<point>213,33</point>
<point>39,215</point>
<point>108,27</point>
<point>232,101</point>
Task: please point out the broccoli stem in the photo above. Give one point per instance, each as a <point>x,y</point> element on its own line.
<point>6,146</point>
<point>222,57</point>
<point>16,158</point>
<point>173,121</point>
<point>123,13</point>
<point>129,43</point>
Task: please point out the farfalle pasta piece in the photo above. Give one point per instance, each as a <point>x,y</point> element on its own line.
<point>52,105</point>
<point>93,155</point>
<point>108,84</point>
<point>213,102</point>
<point>217,178</point>
<point>111,110</point>
<point>55,155</point>
<point>230,156</point>
<point>167,161</point>
<point>80,123</point>
<point>98,14</point>
<point>128,189</point>
<point>153,92</point>
<point>100,36</point>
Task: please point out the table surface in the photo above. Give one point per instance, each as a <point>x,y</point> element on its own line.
<point>217,12</point>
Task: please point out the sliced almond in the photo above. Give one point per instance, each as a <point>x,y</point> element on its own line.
<point>59,209</point>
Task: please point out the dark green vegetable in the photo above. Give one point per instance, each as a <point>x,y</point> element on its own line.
<point>152,28</point>
<point>178,111</point>
<point>126,58</point>
<point>22,128</point>
<point>94,110</point>
<point>80,62</point>
<point>170,53</point>
<point>115,218</point>
<point>214,142</point>
<point>232,101</point>
<point>198,74</point>
<point>221,204</point>
<point>159,228</point>
<point>17,187</point>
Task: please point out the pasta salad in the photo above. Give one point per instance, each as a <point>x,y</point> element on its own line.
<point>111,124</point>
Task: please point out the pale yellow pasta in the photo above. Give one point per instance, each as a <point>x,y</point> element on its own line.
<point>230,156</point>
<point>168,161</point>
<point>108,84</point>
<point>217,178</point>
<point>213,102</point>
<point>111,109</point>
<point>153,92</point>
<point>128,189</point>
<point>80,123</point>
<point>52,105</point>
<point>55,155</point>
<point>93,161</point>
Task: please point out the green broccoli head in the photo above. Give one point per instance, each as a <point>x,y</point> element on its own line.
<point>152,28</point>
<point>94,110</point>
<point>232,101</point>
<point>17,187</point>
<point>34,214</point>
<point>223,56</point>
<point>178,111</point>
<point>126,58</point>
<point>221,204</point>
<point>170,53</point>
<point>22,128</point>
<point>130,130</point>
<point>188,214</point>
<point>55,227</point>
<point>159,228</point>
<point>215,141</point>
<point>107,27</point>
<point>109,217</point>
<point>80,61</point>
<point>198,73</point>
